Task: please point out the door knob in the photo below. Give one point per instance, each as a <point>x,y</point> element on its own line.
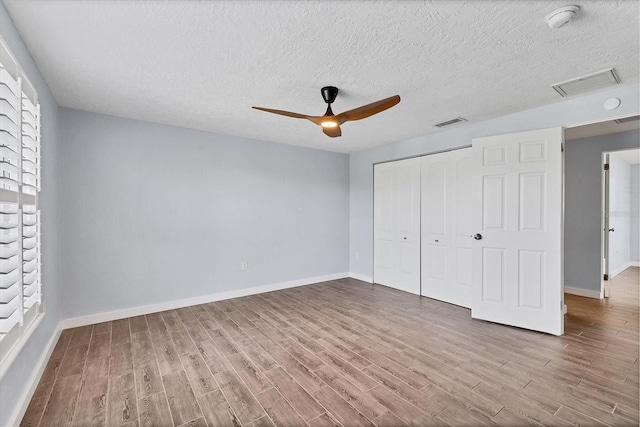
<point>477,236</point>
<point>612,229</point>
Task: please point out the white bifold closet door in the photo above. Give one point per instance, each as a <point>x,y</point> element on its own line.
<point>447,214</point>
<point>397,225</point>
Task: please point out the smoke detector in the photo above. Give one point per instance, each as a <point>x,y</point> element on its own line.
<point>561,16</point>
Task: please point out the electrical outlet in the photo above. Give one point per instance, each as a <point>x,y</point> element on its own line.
<point>244,266</point>
<point>357,255</point>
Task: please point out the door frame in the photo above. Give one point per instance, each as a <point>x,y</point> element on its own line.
<point>605,224</point>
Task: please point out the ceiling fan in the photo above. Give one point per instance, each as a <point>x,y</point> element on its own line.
<point>331,122</point>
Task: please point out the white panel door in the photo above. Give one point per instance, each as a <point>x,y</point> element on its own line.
<point>517,257</point>
<point>446,226</point>
<point>397,225</point>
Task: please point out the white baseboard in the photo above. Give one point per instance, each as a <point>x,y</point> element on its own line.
<point>583,292</point>
<point>622,268</point>
<point>361,277</point>
<point>172,305</point>
<point>25,399</point>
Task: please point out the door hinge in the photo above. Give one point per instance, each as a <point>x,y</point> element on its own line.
<point>562,148</point>
<point>606,166</point>
<point>606,277</point>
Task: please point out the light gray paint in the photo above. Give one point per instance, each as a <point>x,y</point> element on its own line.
<point>619,214</point>
<point>15,381</point>
<point>154,213</point>
<point>583,206</point>
<point>634,253</point>
<point>569,112</point>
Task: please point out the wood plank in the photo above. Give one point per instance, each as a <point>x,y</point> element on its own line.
<point>198,374</point>
<point>299,372</point>
<point>142,348</point>
<point>212,356</point>
<point>257,354</point>
<point>81,336</point>
<point>431,405</point>
<point>302,401</point>
<point>34,412</point>
<point>216,410</point>
<point>244,405</point>
<point>168,359</point>
<point>341,410</point>
<point>182,401</point>
<point>303,355</point>
<point>341,350</point>
<point>95,379</point>
<point>364,403</point>
<point>148,379</point>
<point>400,407</point>
<point>154,410</point>
<point>261,422</point>
<point>325,420</point>
<point>279,410</point>
<point>100,346</point>
<point>73,361</point>
<point>122,405</point>
<point>200,422</point>
<point>121,359</point>
<point>120,332</point>
<point>91,412</point>
<point>100,328</point>
<point>250,374</point>
<point>138,324</point>
<point>353,374</point>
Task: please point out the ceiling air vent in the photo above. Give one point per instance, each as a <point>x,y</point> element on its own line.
<point>587,83</point>
<point>627,119</point>
<point>450,122</point>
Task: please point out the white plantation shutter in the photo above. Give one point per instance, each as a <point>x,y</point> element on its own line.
<point>20,260</point>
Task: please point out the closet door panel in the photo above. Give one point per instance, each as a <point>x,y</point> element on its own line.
<point>407,237</point>
<point>384,221</point>
<point>446,224</point>
<point>397,225</point>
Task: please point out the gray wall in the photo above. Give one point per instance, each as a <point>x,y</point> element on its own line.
<point>619,218</point>
<point>635,214</point>
<point>156,213</point>
<point>573,111</point>
<point>16,380</point>
<point>583,205</point>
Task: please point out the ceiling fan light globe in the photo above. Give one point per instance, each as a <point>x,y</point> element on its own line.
<point>328,124</point>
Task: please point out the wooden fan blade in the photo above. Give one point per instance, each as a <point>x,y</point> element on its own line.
<point>332,132</point>
<point>368,110</point>
<point>283,113</point>
<point>315,119</point>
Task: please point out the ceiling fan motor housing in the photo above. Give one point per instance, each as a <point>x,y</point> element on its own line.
<point>329,94</point>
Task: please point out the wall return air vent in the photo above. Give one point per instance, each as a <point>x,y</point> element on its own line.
<point>587,83</point>
<point>450,122</point>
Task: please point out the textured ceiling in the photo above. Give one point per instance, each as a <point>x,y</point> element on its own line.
<point>203,65</point>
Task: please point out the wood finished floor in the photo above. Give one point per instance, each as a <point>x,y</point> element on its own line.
<point>345,353</point>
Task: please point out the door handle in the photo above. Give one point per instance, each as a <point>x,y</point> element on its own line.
<point>612,229</point>
<point>477,236</point>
